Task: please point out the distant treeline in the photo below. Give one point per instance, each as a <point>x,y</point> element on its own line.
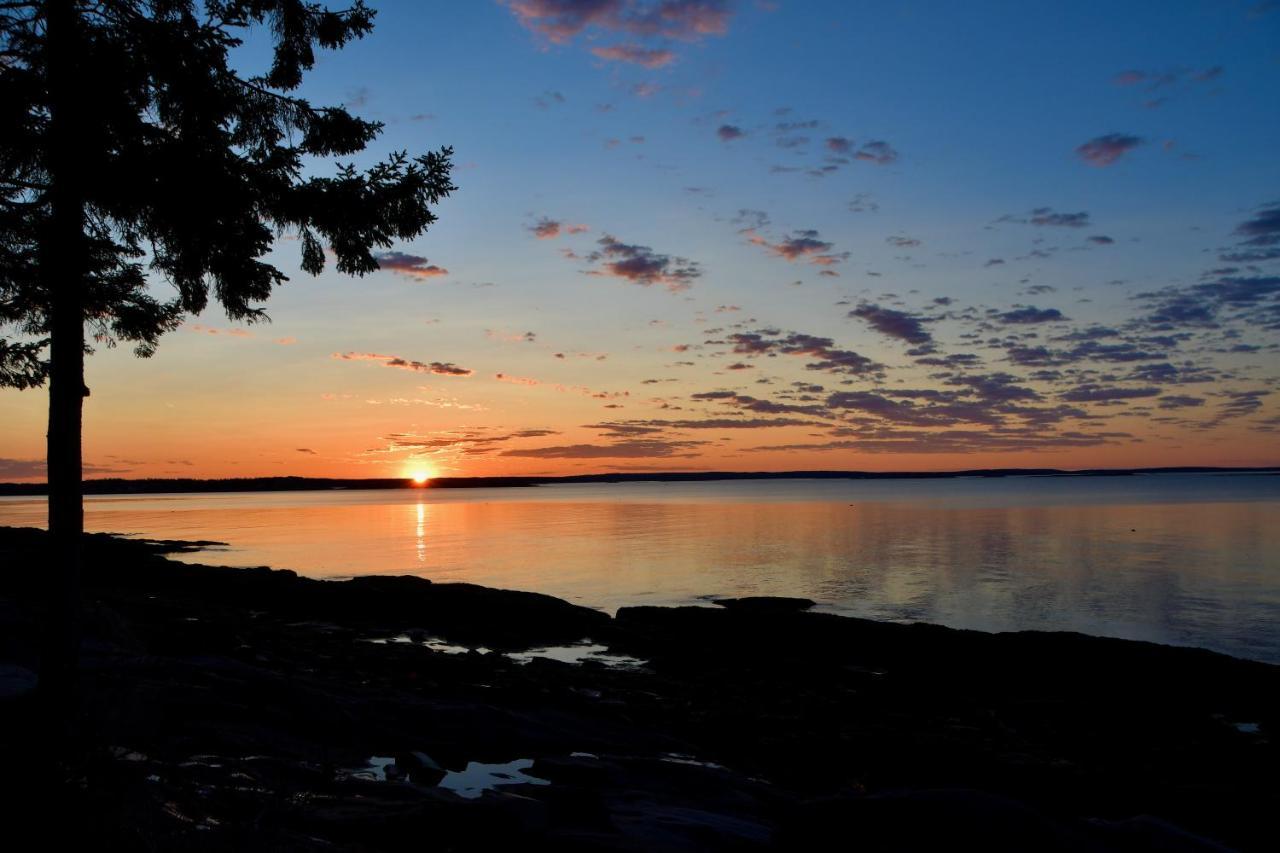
<point>120,486</point>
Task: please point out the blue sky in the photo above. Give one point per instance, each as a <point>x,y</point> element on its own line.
<point>1092,166</point>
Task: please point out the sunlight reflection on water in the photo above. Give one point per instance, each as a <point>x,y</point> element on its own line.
<point>1179,559</point>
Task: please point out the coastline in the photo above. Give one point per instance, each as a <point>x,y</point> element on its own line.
<point>123,486</point>
<point>242,707</point>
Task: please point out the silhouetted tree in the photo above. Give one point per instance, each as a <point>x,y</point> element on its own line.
<point>134,152</point>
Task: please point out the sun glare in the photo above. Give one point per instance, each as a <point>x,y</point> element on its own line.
<point>420,477</point>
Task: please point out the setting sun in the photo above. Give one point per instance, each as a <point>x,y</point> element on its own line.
<point>420,477</point>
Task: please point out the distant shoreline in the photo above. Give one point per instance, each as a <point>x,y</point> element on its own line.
<point>121,486</point>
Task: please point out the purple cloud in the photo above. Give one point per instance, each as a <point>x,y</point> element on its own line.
<point>1105,150</point>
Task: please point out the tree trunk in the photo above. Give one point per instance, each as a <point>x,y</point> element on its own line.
<point>62,266</point>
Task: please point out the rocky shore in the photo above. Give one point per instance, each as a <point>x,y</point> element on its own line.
<point>258,710</point>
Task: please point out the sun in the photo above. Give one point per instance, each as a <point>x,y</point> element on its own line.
<point>420,476</point>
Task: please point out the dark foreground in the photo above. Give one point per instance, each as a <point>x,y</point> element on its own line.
<point>239,709</point>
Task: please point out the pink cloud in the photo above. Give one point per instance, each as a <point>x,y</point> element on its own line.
<point>635,54</point>
<point>413,266</point>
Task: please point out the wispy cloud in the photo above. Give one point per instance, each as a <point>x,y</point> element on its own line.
<point>635,54</point>
<point>439,368</point>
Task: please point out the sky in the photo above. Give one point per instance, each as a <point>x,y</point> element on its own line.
<point>718,235</point>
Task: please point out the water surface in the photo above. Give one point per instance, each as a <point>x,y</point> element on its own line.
<point>1185,559</point>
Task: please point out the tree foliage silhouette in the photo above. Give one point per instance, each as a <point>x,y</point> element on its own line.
<point>135,153</point>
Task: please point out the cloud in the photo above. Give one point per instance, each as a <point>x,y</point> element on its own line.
<point>26,469</point>
<point>806,244</point>
<point>1105,150</point>
<point>839,144</point>
<point>306,450</point>
<point>1153,80</point>
<point>1046,216</point>
<point>635,54</point>
<point>414,266</point>
<point>863,203</point>
<point>630,449</point>
<point>1030,314</point>
<point>754,404</point>
<point>470,441</point>
<point>1093,393</point>
<point>1240,404</point>
<point>21,469</point>
<point>1179,401</point>
<point>1101,240</point>
<point>651,426</point>
<point>957,441</point>
<point>560,21</point>
<point>642,265</point>
<point>548,99</point>
<point>829,358</point>
<point>1263,229</point>
<point>893,323</point>
<point>902,242</point>
<point>1254,300</point>
<point>730,132</point>
<point>210,330</point>
<point>911,413</point>
<point>511,337</point>
<point>439,368</point>
<point>879,152</point>
<point>545,228</point>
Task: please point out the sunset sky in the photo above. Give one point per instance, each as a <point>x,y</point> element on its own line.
<point>705,235</point>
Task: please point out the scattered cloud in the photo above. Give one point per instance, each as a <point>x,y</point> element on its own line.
<point>804,245</point>
<point>893,323</point>
<point>1105,150</point>
<point>829,358</point>
<point>730,132</point>
<point>413,266</point>
<point>642,265</point>
<point>1029,314</point>
<point>878,152</point>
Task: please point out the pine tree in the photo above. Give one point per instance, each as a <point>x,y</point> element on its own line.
<point>133,153</point>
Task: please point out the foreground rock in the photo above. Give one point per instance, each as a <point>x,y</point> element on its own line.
<point>253,709</point>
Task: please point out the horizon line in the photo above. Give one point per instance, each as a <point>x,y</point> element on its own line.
<point>104,485</point>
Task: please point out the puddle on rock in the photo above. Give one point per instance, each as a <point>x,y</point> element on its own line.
<point>579,653</point>
<point>478,778</point>
<point>434,643</point>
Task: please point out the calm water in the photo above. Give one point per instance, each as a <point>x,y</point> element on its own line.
<point>1186,559</point>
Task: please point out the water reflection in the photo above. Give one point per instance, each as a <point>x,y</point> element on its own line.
<point>420,532</point>
<point>1191,560</point>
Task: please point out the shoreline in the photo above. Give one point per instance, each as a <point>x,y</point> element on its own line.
<point>255,708</point>
<point>124,486</point>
